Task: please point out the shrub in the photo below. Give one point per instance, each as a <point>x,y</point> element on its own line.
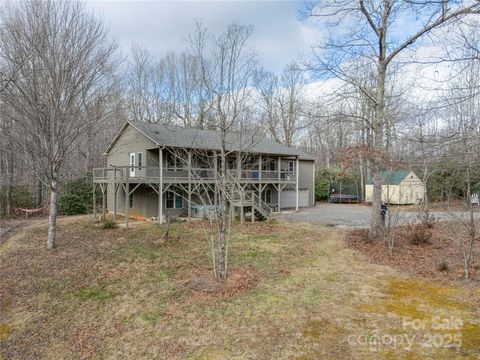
<point>443,266</point>
<point>322,189</point>
<point>419,234</point>
<point>322,184</point>
<point>108,224</point>
<point>20,197</point>
<point>71,204</point>
<point>77,197</point>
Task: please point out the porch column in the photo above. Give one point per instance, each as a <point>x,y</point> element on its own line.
<point>127,195</point>
<point>279,192</point>
<point>104,190</point>
<point>259,179</point>
<point>239,166</point>
<point>296,183</point>
<point>313,184</point>
<point>189,201</point>
<point>115,191</point>
<point>160,186</point>
<point>242,209</point>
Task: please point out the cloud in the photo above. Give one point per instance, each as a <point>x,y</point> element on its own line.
<point>162,27</point>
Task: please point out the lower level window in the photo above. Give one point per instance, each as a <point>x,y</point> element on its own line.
<point>174,201</point>
<point>267,196</point>
<point>130,200</point>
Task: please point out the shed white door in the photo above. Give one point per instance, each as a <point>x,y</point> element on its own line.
<point>288,198</point>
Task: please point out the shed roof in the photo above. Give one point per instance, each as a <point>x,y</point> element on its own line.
<point>177,136</point>
<point>392,177</point>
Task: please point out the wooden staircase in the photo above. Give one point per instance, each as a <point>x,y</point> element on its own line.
<point>248,199</point>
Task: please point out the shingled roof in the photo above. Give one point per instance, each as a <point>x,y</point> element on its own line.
<point>177,136</point>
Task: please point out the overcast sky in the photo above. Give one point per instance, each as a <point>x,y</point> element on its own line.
<point>280,35</point>
<point>161,26</point>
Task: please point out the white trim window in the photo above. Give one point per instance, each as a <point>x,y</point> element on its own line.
<point>131,160</point>
<point>291,167</point>
<point>140,160</point>
<point>268,164</point>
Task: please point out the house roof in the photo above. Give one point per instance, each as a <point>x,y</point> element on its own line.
<point>306,156</point>
<point>392,177</point>
<point>177,136</point>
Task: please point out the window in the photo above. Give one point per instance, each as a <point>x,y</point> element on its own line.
<point>130,200</point>
<point>174,201</point>
<point>268,164</point>
<point>132,164</point>
<point>291,166</point>
<point>267,196</point>
<point>174,162</point>
<point>178,202</point>
<point>140,160</point>
<point>170,161</point>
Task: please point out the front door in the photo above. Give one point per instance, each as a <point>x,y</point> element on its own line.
<point>132,165</point>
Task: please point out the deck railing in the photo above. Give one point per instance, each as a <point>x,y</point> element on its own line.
<point>133,173</point>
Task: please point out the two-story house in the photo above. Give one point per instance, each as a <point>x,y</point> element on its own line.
<point>155,171</point>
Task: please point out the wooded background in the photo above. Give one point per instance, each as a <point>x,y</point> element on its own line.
<point>432,125</point>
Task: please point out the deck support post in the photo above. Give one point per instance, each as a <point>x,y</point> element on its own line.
<point>104,190</point>
<point>313,183</point>
<point>189,195</point>
<point>127,196</point>
<point>242,209</point>
<point>160,185</point>
<point>115,191</point>
<point>279,192</point>
<point>259,180</point>
<point>94,200</point>
<point>239,166</point>
<point>296,183</point>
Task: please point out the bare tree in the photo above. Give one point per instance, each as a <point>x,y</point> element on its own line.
<point>227,66</point>
<point>65,78</point>
<point>462,114</point>
<point>372,38</point>
<point>283,102</point>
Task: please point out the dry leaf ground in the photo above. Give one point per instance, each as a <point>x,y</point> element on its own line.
<point>296,292</point>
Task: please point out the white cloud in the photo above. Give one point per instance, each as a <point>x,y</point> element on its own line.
<point>162,26</point>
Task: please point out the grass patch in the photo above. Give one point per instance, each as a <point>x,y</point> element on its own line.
<point>294,292</point>
<point>98,292</point>
<point>5,331</point>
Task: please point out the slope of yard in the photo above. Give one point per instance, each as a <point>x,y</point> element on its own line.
<point>295,292</point>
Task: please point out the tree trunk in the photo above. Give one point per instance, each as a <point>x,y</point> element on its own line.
<point>8,199</point>
<point>39,197</point>
<point>52,218</point>
<point>223,251</point>
<point>376,228</point>
<point>8,195</point>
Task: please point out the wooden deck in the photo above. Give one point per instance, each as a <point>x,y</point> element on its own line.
<point>149,175</point>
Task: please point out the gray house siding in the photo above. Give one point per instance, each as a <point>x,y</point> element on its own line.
<point>145,203</point>
<point>130,141</point>
<point>306,179</point>
<point>145,199</point>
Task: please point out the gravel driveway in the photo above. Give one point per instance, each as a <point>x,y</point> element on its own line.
<point>351,215</point>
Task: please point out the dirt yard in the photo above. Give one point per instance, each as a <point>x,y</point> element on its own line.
<point>296,291</point>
